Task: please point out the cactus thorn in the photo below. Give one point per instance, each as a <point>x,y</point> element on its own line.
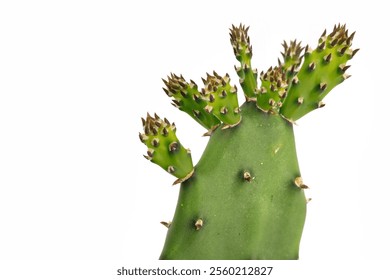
<point>354,52</point>
<point>321,104</point>
<point>147,157</point>
<point>165,81</point>
<point>328,57</point>
<point>173,147</point>
<point>196,113</point>
<point>196,97</point>
<point>342,50</point>
<point>198,224</point>
<point>223,94</point>
<point>282,94</point>
<point>341,41</point>
<point>155,142</point>
<point>321,46</point>
<point>334,42</point>
<point>224,110</point>
<point>312,66</point>
<point>346,76</point>
<point>350,38</point>
<point>308,50</point>
<point>247,176</point>
<point>143,137</point>
<point>343,67</point>
<point>323,86</point>
<point>167,92</point>
<point>166,224</point>
<point>299,183</point>
<point>300,100</point>
<point>150,152</point>
<point>154,130</point>
<point>165,131</point>
<point>208,109</point>
<point>171,169</point>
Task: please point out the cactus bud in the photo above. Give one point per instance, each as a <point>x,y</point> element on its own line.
<point>187,98</point>
<point>222,100</point>
<point>164,149</point>
<point>243,51</point>
<point>272,91</point>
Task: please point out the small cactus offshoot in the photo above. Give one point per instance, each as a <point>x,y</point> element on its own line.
<point>245,197</point>
<point>165,149</point>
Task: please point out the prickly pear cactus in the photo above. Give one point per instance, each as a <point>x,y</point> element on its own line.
<point>245,198</point>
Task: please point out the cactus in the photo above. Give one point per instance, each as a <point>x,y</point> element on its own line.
<point>245,197</point>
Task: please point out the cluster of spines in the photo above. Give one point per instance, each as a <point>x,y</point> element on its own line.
<point>186,97</point>
<point>292,59</point>
<point>243,51</point>
<point>215,103</point>
<point>164,148</point>
<point>273,90</point>
<point>222,99</point>
<point>292,89</point>
<point>322,69</point>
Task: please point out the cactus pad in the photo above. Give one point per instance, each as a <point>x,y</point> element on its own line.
<point>222,99</point>
<point>245,198</point>
<point>323,68</point>
<point>165,149</point>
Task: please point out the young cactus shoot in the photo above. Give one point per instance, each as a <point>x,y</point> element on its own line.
<point>245,197</point>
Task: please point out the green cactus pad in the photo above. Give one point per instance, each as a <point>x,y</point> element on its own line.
<point>164,149</point>
<point>273,90</point>
<point>187,98</point>
<point>221,99</point>
<point>292,58</point>
<point>243,51</point>
<point>322,69</point>
<point>244,192</point>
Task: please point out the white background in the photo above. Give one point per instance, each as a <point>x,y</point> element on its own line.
<point>77,196</point>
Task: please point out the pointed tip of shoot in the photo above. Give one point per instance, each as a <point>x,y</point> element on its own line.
<point>221,99</point>
<point>186,97</point>
<point>240,41</point>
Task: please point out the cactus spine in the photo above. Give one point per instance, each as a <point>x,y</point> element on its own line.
<point>245,198</point>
